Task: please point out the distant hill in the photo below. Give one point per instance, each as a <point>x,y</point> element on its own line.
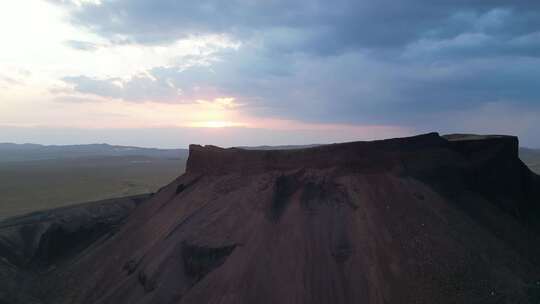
<point>28,152</point>
<point>531,157</point>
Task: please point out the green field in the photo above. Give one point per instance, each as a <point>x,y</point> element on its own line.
<point>42,184</point>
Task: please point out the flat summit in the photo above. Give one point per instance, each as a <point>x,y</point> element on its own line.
<point>424,219</point>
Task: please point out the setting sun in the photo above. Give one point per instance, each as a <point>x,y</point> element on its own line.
<point>215,124</point>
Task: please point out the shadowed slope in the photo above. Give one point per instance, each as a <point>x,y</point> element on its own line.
<point>34,246</point>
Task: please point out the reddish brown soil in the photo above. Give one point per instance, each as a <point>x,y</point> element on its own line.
<point>414,220</point>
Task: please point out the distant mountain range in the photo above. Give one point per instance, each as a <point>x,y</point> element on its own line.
<point>10,152</point>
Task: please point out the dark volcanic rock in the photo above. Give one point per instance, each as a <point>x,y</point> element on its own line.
<point>425,219</point>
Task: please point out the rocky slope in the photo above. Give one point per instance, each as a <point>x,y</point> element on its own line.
<point>34,246</point>
<point>425,219</point>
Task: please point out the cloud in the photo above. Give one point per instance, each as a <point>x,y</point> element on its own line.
<point>9,81</point>
<point>140,87</point>
<point>333,62</point>
<point>13,76</point>
<point>315,25</point>
<point>82,45</point>
<point>352,87</point>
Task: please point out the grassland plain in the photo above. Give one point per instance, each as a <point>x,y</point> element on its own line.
<point>42,184</point>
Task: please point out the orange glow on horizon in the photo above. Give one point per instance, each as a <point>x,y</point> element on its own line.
<point>215,124</point>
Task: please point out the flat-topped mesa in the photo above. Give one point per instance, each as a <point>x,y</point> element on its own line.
<point>365,156</point>
<point>503,145</point>
<point>374,155</point>
<point>424,219</point>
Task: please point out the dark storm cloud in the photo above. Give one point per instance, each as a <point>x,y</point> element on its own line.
<point>334,61</point>
<point>322,26</point>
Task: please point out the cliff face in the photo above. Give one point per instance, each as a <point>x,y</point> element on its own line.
<point>493,169</point>
<point>425,219</point>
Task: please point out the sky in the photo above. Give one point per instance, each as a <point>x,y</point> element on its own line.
<point>167,73</point>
